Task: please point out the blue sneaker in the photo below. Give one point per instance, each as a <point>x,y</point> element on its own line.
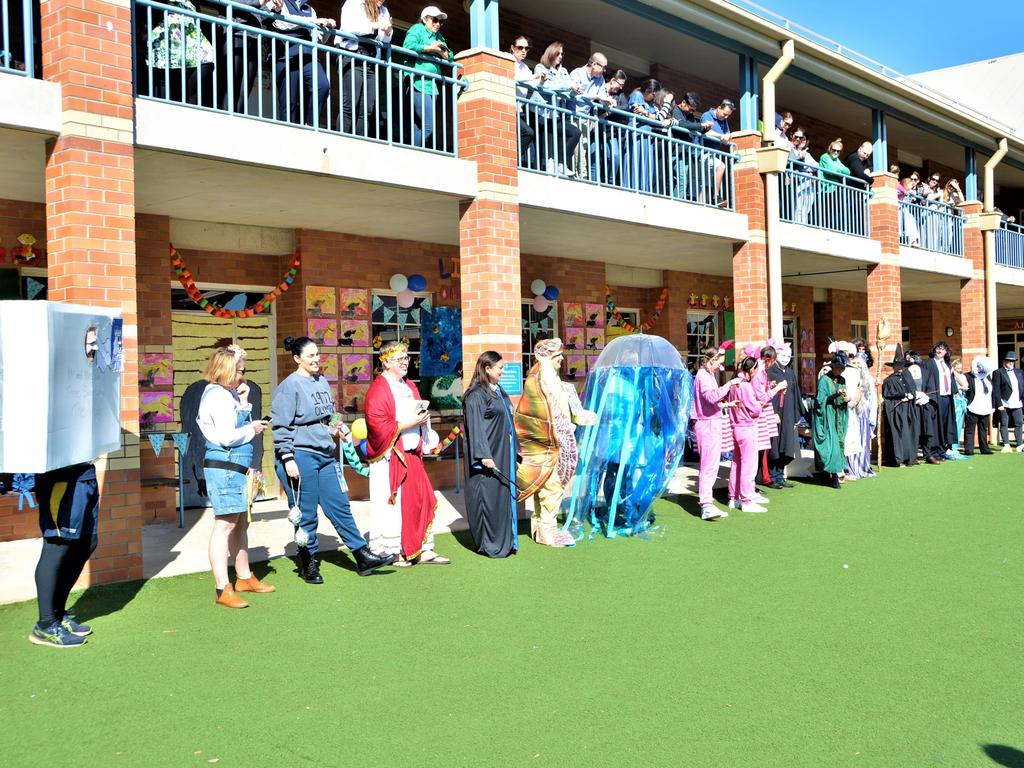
<point>56,636</point>
<point>72,626</point>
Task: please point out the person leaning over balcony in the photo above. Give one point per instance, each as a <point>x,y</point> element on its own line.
<point>527,116</point>
<point>560,136</point>
<point>717,137</point>
<point>225,419</point>
<point>242,53</point>
<point>424,37</point>
<point>832,170</point>
<point>934,230</point>
<point>908,224</point>
<point>369,22</point>
<point>178,45</point>
<point>805,172</point>
<point>590,79</point>
<point>859,163</point>
<point>783,125</point>
<point>607,162</point>
<point>298,71</point>
<point>1008,383</point>
<point>687,126</point>
<point>643,103</point>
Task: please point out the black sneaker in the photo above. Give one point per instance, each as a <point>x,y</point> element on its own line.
<point>72,626</point>
<point>367,561</point>
<point>55,635</point>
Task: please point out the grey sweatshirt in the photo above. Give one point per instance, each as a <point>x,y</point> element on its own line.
<point>300,412</point>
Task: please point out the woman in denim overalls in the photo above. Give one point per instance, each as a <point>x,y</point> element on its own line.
<point>225,418</point>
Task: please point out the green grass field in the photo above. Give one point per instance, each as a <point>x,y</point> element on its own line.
<point>878,625</point>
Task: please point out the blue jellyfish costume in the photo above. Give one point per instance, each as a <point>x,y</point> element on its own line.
<point>642,394</point>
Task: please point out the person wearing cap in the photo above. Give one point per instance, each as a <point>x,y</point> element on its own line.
<point>979,405</point>
<point>424,37</point>
<point>900,432</point>
<point>830,416</point>
<point>1008,383</point>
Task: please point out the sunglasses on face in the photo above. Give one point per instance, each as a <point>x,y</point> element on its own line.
<point>798,137</point>
<point>521,47</point>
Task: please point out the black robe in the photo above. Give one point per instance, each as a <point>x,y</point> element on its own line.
<point>901,420</point>
<point>788,405</point>
<point>490,495</point>
<point>942,415</point>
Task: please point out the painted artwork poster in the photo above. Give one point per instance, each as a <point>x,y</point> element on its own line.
<point>155,408</point>
<point>353,333</point>
<point>329,366</point>
<point>353,397</point>
<point>320,301</point>
<point>574,338</point>
<point>354,303</point>
<point>593,315</point>
<point>323,331</point>
<point>575,367</point>
<point>595,338</point>
<point>572,314</point>
<point>356,368</point>
<point>156,369</point>
<point>441,354</point>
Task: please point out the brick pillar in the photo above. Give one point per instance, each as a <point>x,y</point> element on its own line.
<point>972,291</point>
<point>489,223</point>
<point>90,228</point>
<point>884,289</point>
<point>750,259</point>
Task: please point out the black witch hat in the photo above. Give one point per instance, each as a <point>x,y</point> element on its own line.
<point>898,358</point>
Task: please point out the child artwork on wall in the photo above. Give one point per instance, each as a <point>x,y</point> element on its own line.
<point>320,301</point>
<point>572,314</point>
<point>575,367</point>
<point>323,331</point>
<point>329,366</point>
<point>353,333</point>
<point>595,338</point>
<point>155,408</point>
<point>355,368</point>
<point>354,303</point>
<point>353,397</point>
<point>574,338</point>
<point>156,369</point>
<point>593,315</point>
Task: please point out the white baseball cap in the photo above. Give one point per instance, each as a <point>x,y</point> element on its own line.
<point>434,11</point>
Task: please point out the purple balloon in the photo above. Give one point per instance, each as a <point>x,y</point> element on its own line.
<point>550,293</point>
<point>540,304</point>
<point>417,283</point>
<point>406,298</point>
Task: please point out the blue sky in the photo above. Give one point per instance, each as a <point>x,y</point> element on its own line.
<point>913,36</point>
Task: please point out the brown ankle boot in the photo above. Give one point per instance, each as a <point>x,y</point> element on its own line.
<point>252,584</point>
<point>230,599</point>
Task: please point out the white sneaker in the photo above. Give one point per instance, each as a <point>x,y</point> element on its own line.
<point>1020,448</point>
<point>550,166</point>
<point>760,498</point>
<point>734,503</point>
<point>710,513</point>
<point>1006,449</point>
<point>753,506</point>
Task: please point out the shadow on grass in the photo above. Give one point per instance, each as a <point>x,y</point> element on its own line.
<point>1000,754</point>
<point>464,537</point>
<point>105,599</point>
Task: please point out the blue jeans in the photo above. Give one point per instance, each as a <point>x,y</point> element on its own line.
<point>321,483</point>
<point>423,118</point>
<point>289,80</point>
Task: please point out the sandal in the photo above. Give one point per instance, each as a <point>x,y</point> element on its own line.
<point>401,562</point>
<point>435,560</point>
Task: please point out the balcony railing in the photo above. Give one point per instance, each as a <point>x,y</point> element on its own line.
<point>283,69</point>
<point>17,42</point>
<point>621,150</point>
<point>818,198</point>
<point>1010,245</point>
<point>932,225</point>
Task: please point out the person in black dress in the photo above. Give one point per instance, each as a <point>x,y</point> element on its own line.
<point>787,405</point>
<point>901,428</point>
<point>491,453</point>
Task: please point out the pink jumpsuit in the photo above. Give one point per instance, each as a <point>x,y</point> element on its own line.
<point>707,425</point>
<point>743,417</point>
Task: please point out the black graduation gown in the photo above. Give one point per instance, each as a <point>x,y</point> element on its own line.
<point>490,501</point>
<point>944,432</point>
<point>901,420</point>
<point>787,405</point>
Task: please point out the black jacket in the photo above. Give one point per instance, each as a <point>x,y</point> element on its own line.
<point>1001,384</point>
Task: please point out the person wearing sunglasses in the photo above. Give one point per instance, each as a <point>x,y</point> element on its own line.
<point>424,37</point>
<point>527,115</point>
<point>831,170</point>
<point>806,168</point>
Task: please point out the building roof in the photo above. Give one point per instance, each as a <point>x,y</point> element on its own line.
<point>993,86</point>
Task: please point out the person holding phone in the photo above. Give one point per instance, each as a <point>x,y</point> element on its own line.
<point>225,420</point>
<point>424,37</point>
<point>402,501</point>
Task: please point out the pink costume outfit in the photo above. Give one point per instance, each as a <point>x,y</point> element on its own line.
<point>767,426</point>
<point>744,418</point>
<point>707,425</point>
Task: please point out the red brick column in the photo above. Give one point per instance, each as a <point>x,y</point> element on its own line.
<point>90,228</point>
<point>884,288</point>
<point>750,259</point>
<point>489,223</point>
<point>972,292</point>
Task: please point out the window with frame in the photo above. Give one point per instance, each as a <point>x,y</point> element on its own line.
<point>390,322</point>
<point>701,332</point>
<point>537,326</point>
<point>859,329</point>
<point>612,329</point>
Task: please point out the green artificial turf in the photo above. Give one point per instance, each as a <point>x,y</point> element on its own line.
<point>878,625</point>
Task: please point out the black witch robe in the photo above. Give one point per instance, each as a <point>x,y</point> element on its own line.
<point>901,419</point>
<point>787,405</point>
<point>490,494</point>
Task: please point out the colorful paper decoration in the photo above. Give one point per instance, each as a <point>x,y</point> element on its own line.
<point>352,397</point>
<point>441,331</point>
<point>417,283</point>
<point>156,369</point>
<point>320,301</point>
<point>647,324</point>
<point>593,315</point>
<point>180,441</point>
<point>155,408</point>
<point>218,310</point>
<point>33,287</point>
<point>595,338</point>
<point>329,366</point>
<point>398,282</point>
<point>26,251</point>
<point>575,367</point>
<point>356,368</point>
<point>572,314</point>
<point>156,440</point>
<point>574,338</point>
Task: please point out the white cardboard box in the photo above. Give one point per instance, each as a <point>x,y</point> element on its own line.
<point>57,407</point>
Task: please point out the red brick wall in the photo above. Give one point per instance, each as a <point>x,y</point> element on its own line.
<point>928,320</point>
<point>750,259</point>
<point>973,320</point>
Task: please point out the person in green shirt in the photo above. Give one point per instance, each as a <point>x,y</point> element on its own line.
<point>831,168</point>
<point>425,38</point>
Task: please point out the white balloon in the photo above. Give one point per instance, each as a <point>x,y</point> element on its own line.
<point>538,287</point>
<point>398,282</point>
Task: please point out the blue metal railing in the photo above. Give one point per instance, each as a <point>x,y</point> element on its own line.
<point>1010,245</point>
<point>287,70</point>
<point>824,200</point>
<point>932,225</point>
<point>17,41</point>
<point>618,149</point>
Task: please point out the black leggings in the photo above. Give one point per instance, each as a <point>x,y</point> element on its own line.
<point>60,564</point>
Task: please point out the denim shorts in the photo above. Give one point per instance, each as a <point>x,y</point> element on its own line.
<point>226,488</point>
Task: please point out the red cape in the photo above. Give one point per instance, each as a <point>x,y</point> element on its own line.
<point>405,468</point>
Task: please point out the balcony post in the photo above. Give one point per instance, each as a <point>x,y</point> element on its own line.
<point>483,24</point>
<point>879,142</point>
<point>750,258</point>
<point>749,93</point>
<point>884,287</point>
<point>90,231</point>
<point>970,174</point>
<point>973,320</point>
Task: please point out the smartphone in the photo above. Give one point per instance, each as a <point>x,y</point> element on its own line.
<point>422,406</point>
<point>265,419</point>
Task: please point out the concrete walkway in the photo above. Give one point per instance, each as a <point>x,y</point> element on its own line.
<point>171,551</point>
